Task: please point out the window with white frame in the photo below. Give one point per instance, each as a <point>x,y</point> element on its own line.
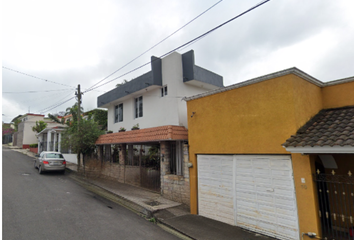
<point>163,91</point>
<point>118,113</point>
<point>139,107</point>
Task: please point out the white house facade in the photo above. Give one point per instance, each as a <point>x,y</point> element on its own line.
<point>155,98</point>
<point>156,155</point>
<point>25,135</point>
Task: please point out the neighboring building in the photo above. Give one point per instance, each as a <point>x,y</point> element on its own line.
<point>275,155</point>
<point>156,155</point>
<point>7,132</point>
<point>25,135</point>
<point>50,140</point>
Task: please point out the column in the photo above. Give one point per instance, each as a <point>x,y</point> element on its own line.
<point>49,137</point>
<point>55,141</point>
<point>59,143</point>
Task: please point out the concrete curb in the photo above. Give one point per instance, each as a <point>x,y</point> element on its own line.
<point>110,195</point>
<point>126,203</point>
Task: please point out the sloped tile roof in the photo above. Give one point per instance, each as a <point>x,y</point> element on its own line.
<point>163,133</point>
<point>331,127</point>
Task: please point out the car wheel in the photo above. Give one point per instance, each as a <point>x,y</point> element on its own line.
<point>40,169</point>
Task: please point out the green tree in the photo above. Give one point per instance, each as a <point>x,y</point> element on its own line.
<point>40,126</point>
<point>81,139</point>
<point>122,83</point>
<point>99,116</point>
<point>56,119</point>
<point>16,122</point>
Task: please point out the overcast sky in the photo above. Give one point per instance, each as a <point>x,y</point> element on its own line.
<point>82,42</point>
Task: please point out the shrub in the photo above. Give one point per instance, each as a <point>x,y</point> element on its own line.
<point>35,145</point>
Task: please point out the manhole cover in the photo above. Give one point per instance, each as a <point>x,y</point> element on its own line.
<point>153,203</point>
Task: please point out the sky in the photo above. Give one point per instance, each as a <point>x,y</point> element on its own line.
<point>49,47</point>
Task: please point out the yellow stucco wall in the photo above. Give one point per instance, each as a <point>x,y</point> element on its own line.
<point>257,119</point>
<point>338,95</point>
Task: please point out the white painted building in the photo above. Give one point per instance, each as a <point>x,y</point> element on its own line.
<point>156,156</point>
<point>25,135</point>
<point>155,98</point>
<point>50,140</point>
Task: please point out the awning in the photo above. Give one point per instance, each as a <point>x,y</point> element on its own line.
<point>330,131</point>
<point>155,134</point>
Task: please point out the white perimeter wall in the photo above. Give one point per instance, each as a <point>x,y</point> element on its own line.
<point>70,157</point>
<point>157,110</point>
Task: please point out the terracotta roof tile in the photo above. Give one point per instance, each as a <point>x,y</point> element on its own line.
<point>155,134</point>
<point>331,127</point>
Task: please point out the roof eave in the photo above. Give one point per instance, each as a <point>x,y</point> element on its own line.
<point>319,149</point>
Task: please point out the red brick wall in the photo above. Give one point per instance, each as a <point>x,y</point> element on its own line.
<point>34,150</point>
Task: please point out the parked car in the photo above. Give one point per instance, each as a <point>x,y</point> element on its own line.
<point>50,161</point>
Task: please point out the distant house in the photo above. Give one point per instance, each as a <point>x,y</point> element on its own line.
<point>25,135</point>
<point>149,143</point>
<point>50,140</point>
<point>7,132</point>
<point>275,155</point>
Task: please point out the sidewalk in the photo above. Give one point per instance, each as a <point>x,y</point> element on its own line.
<point>172,216</point>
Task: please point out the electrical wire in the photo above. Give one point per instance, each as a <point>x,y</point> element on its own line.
<point>58,102</point>
<point>29,75</point>
<point>155,45</point>
<point>66,89</point>
<point>185,44</point>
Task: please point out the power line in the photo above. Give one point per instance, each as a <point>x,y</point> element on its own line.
<point>29,75</point>
<point>58,102</point>
<point>185,44</point>
<point>155,45</point>
<point>66,89</point>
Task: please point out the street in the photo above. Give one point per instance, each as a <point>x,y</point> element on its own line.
<point>53,206</point>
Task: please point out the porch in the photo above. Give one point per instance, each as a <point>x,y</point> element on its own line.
<point>154,158</point>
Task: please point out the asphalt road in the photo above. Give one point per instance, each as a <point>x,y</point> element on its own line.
<point>53,206</point>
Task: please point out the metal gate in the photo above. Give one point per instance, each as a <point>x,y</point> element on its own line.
<point>336,205</point>
<point>150,168</point>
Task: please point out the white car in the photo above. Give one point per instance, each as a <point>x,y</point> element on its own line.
<point>50,161</point>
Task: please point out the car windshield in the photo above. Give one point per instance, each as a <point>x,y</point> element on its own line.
<point>54,155</point>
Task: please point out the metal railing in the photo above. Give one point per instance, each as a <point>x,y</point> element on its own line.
<point>336,205</point>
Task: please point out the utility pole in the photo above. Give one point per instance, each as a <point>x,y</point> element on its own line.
<point>78,94</point>
<point>78,104</point>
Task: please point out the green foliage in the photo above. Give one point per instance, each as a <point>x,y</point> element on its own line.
<point>122,83</point>
<point>81,139</point>
<point>35,145</point>
<point>16,122</point>
<point>56,119</point>
<point>99,116</point>
<point>74,112</point>
<point>40,126</point>
<point>6,129</point>
<point>136,126</point>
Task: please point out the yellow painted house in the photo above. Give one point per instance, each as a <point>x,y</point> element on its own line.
<point>275,155</point>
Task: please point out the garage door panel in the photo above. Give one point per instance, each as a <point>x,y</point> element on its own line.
<point>215,187</point>
<point>254,192</point>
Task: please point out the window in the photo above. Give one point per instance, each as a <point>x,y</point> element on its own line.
<point>176,158</point>
<point>118,113</point>
<point>164,91</point>
<point>54,155</point>
<point>138,107</point>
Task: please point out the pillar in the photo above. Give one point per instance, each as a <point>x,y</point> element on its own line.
<point>59,143</point>
<point>49,137</point>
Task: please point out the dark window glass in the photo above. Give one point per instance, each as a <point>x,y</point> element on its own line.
<point>138,107</point>
<point>118,113</point>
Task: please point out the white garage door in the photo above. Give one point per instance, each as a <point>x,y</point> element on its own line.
<point>254,192</point>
